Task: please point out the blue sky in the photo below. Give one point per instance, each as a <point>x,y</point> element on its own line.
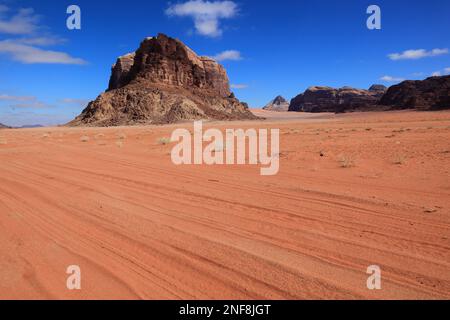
<point>48,73</point>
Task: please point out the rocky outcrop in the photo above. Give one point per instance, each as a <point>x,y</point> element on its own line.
<point>120,70</point>
<point>164,81</point>
<point>327,99</point>
<point>278,104</point>
<point>378,88</point>
<point>429,94</point>
<point>2,126</point>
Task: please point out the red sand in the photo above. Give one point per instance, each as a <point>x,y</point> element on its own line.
<point>140,227</point>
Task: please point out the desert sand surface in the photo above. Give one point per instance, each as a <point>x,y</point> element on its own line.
<point>353,190</point>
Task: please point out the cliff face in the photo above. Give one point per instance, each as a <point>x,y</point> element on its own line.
<point>327,99</point>
<point>277,104</point>
<point>429,94</point>
<point>164,81</point>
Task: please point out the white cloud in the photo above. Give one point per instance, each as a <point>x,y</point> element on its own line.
<point>26,49</point>
<point>436,74</point>
<point>417,54</point>
<point>391,79</point>
<point>75,102</point>
<point>41,41</point>
<point>239,86</point>
<point>30,105</point>
<point>30,54</point>
<point>447,70</point>
<point>22,102</point>
<point>7,97</point>
<point>25,21</point>
<point>232,55</point>
<point>206,14</point>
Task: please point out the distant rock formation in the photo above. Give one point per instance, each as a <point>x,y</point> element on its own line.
<point>164,81</point>
<point>2,126</point>
<point>327,99</point>
<point>378,88</point>
<point>429,94</point>
<point>277,104</point>
<point>31,126</point>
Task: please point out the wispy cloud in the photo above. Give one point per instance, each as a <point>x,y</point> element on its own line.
<point>443,72</point>
<point>417,54</point>
<point>232,55</point>
<point>25,21</point>
<point>41,41</point>
<point>27,48</point>
<point>391,79</point>
<point>31,105</point>
<point>239,86</point>
<point>22,102</point>
<point>75,102</point>
<point>7,97</point>
<point>206,14</point>
<point>30,54</point>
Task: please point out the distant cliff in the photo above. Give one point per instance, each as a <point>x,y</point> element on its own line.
<point>327,99</point>
<point>429,94</point>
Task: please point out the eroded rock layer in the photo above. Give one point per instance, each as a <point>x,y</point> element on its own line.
<point>327,99</point>
<point>429,94</point>
<point>164,81</point>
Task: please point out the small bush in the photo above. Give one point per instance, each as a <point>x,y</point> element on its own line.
<point>84,139</point>
<point>164,141</point>
<point>121,136</point>
<point>399,159</point>
<point>346,161</point>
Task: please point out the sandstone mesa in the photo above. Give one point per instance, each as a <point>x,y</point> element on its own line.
<point>164,81</point>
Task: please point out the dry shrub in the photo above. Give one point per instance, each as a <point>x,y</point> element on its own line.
<point>399,159</point>
<point>121,136</point>
<point>346,161</point>
<point>164,141</point>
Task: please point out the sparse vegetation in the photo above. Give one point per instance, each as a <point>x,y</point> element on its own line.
<point>121,136</point>
<point>84,139</point>
<point>346,161</point>
<point>119,143</point>
<point>164,141</point>
<point>399,159</point>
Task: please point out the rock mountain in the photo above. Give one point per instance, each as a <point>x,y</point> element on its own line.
<point>164,81</point>
<point>327,99</point>
<point>429,94</point>
<point>277,104</point>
